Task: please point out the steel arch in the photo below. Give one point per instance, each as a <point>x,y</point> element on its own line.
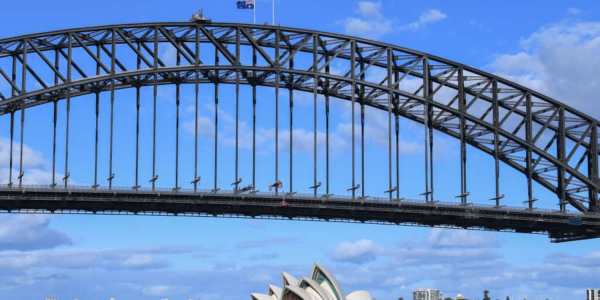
<point>546,140</point>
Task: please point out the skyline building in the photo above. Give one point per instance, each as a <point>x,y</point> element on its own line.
<point>592,294</point>
<point>427,294</point>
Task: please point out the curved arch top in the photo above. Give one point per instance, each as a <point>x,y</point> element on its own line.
<point>548,141</point>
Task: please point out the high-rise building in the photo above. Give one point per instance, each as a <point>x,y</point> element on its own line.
<point>592,294</point>
<point>427,294</point>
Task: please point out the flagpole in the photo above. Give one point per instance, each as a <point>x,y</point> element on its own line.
<point>273,14</point>
<point>254,13</point>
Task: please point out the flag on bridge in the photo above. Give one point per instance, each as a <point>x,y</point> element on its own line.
<point>246,4</point>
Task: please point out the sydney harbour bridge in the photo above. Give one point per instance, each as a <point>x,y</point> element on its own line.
<point>551,144</point>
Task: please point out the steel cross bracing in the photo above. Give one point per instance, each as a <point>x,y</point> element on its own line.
<point>548,141</point>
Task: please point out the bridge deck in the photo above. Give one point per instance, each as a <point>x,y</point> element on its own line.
<point>558,225</point>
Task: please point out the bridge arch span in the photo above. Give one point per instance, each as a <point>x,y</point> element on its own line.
<point>548,141</point>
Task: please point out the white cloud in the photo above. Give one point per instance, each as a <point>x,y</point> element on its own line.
<point>169,56</point>
<point>376,132</point>
<point>454,261</point>
<point>560,60</point>
<point>122,259</point>
<point>34,165</point>
<point>158,290</point>
<point>205,127</point>
<point>376,128</point>
<point>31,158</point>
<point>359,251</point>
<point>209,282</point>
<point>427,17</point>
<point>442,246</point>
<point>271,242</point>
<point>458,238</point>
<point>395,281</point>
<point>29,232</point>
<point>139,261</point>
<point>369,9</point>
<point>369,22</point>
<point>460,261</point>
<point>31,176</point>
<point>265,137</point>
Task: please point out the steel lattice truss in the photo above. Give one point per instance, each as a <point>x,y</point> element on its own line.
<point>548,141</point>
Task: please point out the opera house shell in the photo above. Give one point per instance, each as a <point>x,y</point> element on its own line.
<point>320,286</point>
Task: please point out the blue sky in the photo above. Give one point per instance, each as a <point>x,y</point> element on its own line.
<point>549,46</point>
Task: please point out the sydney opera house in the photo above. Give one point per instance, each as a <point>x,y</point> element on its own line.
<point>320,286</point>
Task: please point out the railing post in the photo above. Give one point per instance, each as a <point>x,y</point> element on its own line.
<point>216,125</point>
<point>237,179</point>
<point>397,131</point>
<point>593,167</point>
<point>462,107</point>
<point>277,185</point>
<point>55,117</point>
<point>113,70</point>
<point>428,130</point>
<point>390,85</point>
<point>362,129</point>
<point>560,150</point>
<point>154,99</point>
<point>68,109</point>
<point>196,179</point>
<point>23,92</point>
<point>353,100</point>
<point>529,141</point>
<point>496,121</point>
<point>316,79</point>
<point>291,120</point>
<point>254,75</point>
<point>14,92</point>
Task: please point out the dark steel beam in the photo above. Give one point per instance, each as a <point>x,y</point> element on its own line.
<point>559,226</point>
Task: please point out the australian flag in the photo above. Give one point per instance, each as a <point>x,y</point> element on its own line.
<point>246,4</point>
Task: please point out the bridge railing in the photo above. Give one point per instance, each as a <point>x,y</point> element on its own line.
<point>272,195</point>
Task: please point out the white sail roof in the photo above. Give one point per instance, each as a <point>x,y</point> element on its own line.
<point>327,282</point>
<point>359,295</point>
<point>320,286</point>
<point>257,296</point>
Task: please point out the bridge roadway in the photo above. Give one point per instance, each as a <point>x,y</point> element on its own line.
<point>560,226</point>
